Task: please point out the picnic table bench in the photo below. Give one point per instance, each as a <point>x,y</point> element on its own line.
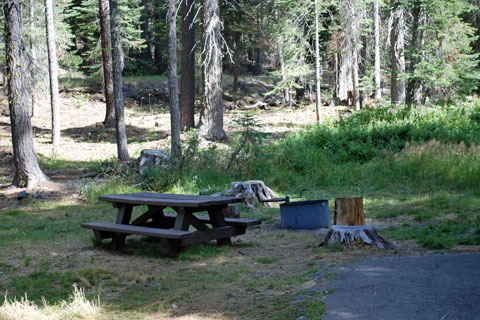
<point>175,228</point>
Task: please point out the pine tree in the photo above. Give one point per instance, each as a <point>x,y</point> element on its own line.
<point>27,171</point>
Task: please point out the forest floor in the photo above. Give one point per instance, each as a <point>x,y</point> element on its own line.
<point>266,274</point>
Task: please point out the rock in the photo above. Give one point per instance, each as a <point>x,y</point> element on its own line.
<point>150,158</point>
<point>231,211</point>
<point>301,318</point>
<point>22,195</point>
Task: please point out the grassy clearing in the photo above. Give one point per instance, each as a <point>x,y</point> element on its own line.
<point>418,171</point>
<point>48,253</point>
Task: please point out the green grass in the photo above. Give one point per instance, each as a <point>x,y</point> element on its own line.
<point>199,252</point>
<point>266,260</point>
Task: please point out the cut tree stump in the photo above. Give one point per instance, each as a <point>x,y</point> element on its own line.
<point>349,211</point>
<point>253,191</point>
<point>354,235</point>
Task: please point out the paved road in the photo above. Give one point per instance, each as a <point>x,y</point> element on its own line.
<point>438,287</point>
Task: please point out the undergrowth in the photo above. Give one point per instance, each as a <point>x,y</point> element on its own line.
<point>380,153</point>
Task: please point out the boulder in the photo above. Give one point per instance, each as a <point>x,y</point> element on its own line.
<point>231,211</point>
<point>152,158</point>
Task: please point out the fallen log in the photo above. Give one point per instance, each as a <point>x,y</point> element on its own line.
<point>354,235</point>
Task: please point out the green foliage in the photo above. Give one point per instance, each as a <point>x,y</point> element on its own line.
<point>247,150</point>
<point>447,66</point>
<point>266,260</point>
<point>83,17</point>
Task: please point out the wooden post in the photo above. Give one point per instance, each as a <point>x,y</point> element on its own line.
<point>349,211</point>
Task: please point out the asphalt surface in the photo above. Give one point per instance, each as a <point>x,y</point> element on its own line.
<point>438,287</point>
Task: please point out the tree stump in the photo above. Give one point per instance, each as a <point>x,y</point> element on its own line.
<point>349,211</point>
<point>252,191</point>
<point>354,235</point>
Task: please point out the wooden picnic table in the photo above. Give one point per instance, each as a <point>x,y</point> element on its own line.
<point>175,228</point>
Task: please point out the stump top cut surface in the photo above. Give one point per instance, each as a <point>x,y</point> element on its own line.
<point>342,227</point>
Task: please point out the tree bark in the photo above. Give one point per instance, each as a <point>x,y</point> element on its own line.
<point>349,211</point>
<point>176,144</point>
<point>104,8</point>
<point>211,123</point>
<point>53,73</point>
<point>27,171</point>
<point>33,53</point>
<point>414,86</point>
<point>118,83</point>
<point>355,81</point>
<point>318,103</point>
<point>286,95</point>
<point>146,53</point>
<point>397,44</point>
<point>187,84</point>
<point>355,37</point>
<point>236,60</point>
<point>377,72</point>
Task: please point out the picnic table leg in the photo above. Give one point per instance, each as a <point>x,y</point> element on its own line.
<point>173,248</point>
<point>123,217</point>
<point>182,221</point>
<point>218,220</point>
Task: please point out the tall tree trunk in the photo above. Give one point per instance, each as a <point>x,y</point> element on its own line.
<point>211,123</point>
<point>176,143</point>
<point>53,72</point>
<point>118,83</point>
<point>355,37</point>
<point>317,66</point>
<point>33,53</point>
<point>286,95</point>
<point>159,47</point>
<point>236,61</point>
<point>376,22</point>
<point>414,86</point>
<point>27,171</point>
<point>355,81</point>
<point>146,54</point>
<point>107,61</point>
<point>187,85</point>
<point>397,44</point>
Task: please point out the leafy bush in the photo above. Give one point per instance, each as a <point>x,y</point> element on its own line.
<point>426,146</point>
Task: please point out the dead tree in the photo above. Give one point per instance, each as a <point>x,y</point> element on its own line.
<point>211,119</point>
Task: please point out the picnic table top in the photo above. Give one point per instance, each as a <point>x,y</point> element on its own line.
<point>169,200</point>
